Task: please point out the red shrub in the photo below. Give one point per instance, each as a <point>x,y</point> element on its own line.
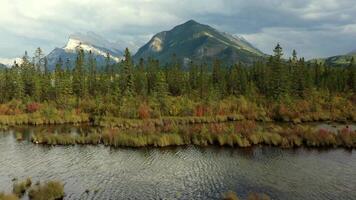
<point>4,110</point>
<point>167,127</point>
<point>323,134</point>
<point>217,128</point>
<point>144,111</point>
<point>78,111</point>
<point>33,107</point>
<point>200,110</point>
<point>196,128</point>
<point>245,128</point>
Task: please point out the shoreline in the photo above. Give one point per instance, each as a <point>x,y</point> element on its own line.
<point>240,134</point>
<point>118,122</point>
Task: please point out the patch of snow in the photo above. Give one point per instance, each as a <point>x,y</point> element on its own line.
<point>73,44</point>
<point>156,44</point>
<point>10,61</point>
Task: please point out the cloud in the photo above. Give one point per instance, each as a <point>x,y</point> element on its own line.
<point>322,42</point>
<point>316,27</point>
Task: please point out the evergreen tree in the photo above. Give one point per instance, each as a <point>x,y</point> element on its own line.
<point>79,88</point>
<point>278,81</point>
<point>351,75</point>
<point>152,70</point>
<point>140,79</point>
<point>127,75</point>
<point>175,77</point>
<point>92,82</point>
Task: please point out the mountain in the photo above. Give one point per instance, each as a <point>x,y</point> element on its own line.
<point>337,61</point>
<point>2,66</point>
<point>10,61</point>
<point>90,41</point>
<point>195,41</point>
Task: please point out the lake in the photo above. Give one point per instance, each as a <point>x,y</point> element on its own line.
<point>178,173</point>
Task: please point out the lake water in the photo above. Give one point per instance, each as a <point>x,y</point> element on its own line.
<point>179,173</point>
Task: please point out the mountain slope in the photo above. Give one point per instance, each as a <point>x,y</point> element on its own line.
<point>88,42</point>
<point>195,41</point>
<point>337,61</point>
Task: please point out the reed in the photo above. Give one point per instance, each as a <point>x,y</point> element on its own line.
<point>242,134</point>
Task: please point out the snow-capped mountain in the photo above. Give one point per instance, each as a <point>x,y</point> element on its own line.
<point>10,61</point>
<point>89,42</point>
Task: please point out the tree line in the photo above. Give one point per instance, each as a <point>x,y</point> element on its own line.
<point>275,79</point>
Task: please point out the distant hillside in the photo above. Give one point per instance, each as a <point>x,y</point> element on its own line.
<point>337,61</point>
<point>195,41</point>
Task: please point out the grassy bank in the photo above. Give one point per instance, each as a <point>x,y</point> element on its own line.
<point>237,134</point>
<point>181,110</point>
<point>39,119</point>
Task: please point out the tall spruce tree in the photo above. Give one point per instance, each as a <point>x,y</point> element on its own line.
<point>127,75</point>
<point>351,75</point>
<point>278,80</point>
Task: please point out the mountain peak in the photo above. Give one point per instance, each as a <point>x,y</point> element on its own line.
<point>191,22</point>
<point>89,42</point>
<point>194,41</point>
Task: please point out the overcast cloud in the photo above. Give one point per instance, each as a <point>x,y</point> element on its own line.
<point>315,28</point>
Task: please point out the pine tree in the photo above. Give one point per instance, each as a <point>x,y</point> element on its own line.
<point>218,78</point>
<point>152,70</point>
<point>58,79</point>
<point>351,75</point>
<point>278,82</point>
<point>140,79</point>
<point>127,75</point>
<point>79,88</point>
<point>38,59</point>
<point>161,90</point>
<point>175,77</point>
<point>92,82</point>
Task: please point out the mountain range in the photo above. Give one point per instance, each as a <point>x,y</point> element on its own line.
<point>190,41</point>
<point>195,41</point>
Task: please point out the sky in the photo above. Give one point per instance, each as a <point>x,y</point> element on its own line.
<point>315,28</point>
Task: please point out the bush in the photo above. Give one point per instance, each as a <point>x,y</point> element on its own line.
<point>51,190</point>
<point>144,111</point>
<point>230,196</point>
<point>33,107</point>
<point>19,188</point>
<point>8,197</point>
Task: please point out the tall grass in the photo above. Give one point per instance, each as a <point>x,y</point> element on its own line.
<point>240,134</point>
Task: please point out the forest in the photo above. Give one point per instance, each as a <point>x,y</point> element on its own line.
<point>277,89</point>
